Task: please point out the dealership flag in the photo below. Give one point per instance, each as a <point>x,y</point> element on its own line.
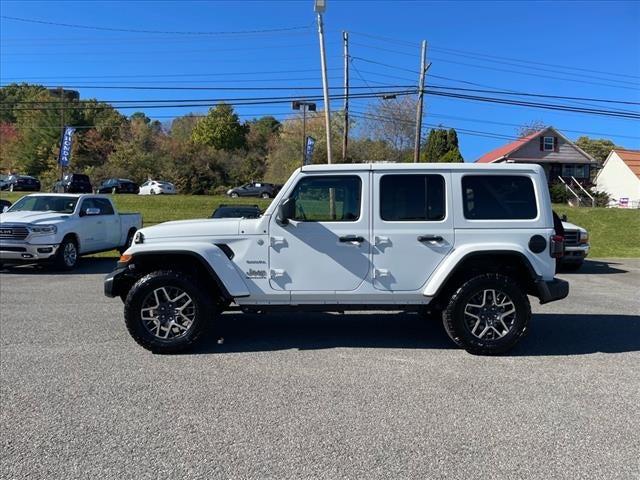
<point>65,146</point>
<point>308,151</point>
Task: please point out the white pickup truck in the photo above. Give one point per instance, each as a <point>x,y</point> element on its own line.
<point>58,228</point>
<point>468,242</point>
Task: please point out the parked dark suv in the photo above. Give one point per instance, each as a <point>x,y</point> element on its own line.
<point>255,189</point>
<point>73,183</point>
<point>118,185</point>
<point>13,183</point>
<point>236,211</point>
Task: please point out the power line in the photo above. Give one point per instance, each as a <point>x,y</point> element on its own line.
<point>170,75</point>
<point>262,88</point>
<point>465,53</point>
<point>212,101</point>
<point>154,32</point>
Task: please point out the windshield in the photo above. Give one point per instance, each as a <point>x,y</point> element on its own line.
<point>44,203</point>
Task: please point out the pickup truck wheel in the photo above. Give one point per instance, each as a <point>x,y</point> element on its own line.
<point>67,256</point>
<point>166,312</point>
<point>487,315</point>
<point>234,195</point>
<point>265,195</point>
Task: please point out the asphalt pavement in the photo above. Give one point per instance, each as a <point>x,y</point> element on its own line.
<point>382,395</point>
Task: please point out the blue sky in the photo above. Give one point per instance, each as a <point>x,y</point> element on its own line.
<point>579,49</point>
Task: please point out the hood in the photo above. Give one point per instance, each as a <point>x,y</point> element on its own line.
<point>193,228</point>
<point>33,217</point>
<point>571,226</point>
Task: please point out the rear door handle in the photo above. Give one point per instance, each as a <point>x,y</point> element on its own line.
<point>351,239</point>
<point>429,238</point>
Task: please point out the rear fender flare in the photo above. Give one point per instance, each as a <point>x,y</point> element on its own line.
<point>448,266</point>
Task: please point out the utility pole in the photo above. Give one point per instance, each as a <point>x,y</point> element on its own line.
<point>61,92</point>
<point>345,138</point>
<point>319,7</point>
<point>423,71</point>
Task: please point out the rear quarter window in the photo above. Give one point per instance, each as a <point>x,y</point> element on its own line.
<point>498,197</point>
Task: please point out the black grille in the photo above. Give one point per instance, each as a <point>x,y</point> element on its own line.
<point>10,232</point>
<point>571,238</point>
<point>4,248</point>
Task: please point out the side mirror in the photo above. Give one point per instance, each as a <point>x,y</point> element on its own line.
<point>286,210</point>
<point>564,217</point>
<point>91,211</point>
<point>4,209</point>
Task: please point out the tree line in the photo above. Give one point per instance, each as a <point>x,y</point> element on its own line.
<point>200,154</point>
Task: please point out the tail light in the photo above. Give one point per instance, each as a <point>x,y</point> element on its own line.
<point>556,246</point>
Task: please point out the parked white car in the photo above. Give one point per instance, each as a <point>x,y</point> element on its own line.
<point>157,187</point>
<point>59,228</point>
<point>467,241</point>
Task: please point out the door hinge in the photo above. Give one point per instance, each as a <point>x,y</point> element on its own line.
<point>380,272</point>
<point>277,272</point>
<point>277,241</point>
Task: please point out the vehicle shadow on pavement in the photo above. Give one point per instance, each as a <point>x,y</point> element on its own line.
<point>594,267</point>
<point>551,334</point>
<point>85,266</point>
<point>312,331</point>
<point>576,334</point>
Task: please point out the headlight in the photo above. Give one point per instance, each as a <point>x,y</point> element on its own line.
<point>584,236</point>
<point>138,237</point>
<point>43,229</point>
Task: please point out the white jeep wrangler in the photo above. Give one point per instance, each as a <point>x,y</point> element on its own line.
<point>467,242</point>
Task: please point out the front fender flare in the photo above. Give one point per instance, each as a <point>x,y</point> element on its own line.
<point>212,258</point>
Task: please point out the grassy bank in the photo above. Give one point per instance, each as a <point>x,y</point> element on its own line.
<point>614,232</point>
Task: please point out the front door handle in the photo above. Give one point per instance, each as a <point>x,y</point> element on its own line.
<point>429,238</point>
<point>351,239</point>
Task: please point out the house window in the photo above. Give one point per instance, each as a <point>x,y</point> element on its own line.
<point>548,144</point>
<point>578,171</point>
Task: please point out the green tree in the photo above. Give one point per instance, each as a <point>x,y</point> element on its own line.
<point>442,146</point>
<point>220,129</point>
<point>598,148</point>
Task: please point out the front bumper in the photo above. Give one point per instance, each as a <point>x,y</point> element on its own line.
<point>551,290</point>
<point>575,253</point>
<point>23,252</point>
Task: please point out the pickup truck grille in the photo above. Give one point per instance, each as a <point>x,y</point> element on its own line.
<point>571,238</point>
<point>13,232</point>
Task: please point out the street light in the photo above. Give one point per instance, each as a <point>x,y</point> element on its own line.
<point>304,106</point>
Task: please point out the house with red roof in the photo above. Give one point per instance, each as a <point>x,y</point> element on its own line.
<point>620,177</point>
<point>548,147</point>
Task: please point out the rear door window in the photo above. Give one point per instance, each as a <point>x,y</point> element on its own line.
<point>406,198</point>
<point>498,197</point>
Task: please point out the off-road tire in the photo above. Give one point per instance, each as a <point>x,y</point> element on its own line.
<point>59,262</point>
<point>128,242</point>
<point>453,317</point>
<point>205,311</point>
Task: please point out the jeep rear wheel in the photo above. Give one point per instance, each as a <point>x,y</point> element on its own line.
<point>166,312</point>
<point>488,314</point>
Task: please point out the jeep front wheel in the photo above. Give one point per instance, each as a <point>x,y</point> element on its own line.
<point>488,314</point>
<point>166,312</point>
